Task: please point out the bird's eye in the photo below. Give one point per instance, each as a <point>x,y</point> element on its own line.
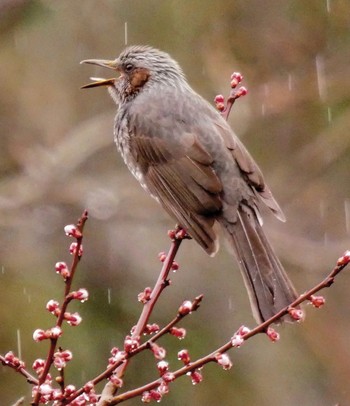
<point>129,67</point>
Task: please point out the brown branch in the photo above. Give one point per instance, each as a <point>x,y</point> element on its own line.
<point>261,328</point>
<point>110,389</point>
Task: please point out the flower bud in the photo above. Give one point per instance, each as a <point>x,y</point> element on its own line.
<point>144,296</point>
<point>163,367</point>
<point>272,334</point>
<point>196,377</point>
<point>72,231</point>
<point>317,301</point>
<point>74,247</point>
<point>185,308</point>
<point>184,356</point>
<point>158,351</point>
<point>180,333</point>
<point>131,343</point>
<point>62,269</point>
<point>224,360</point>
<point>296,314</point>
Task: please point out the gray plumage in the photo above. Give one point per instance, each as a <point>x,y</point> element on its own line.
<point>188,158</point>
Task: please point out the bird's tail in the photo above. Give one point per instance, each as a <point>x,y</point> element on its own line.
<point>268,285</point>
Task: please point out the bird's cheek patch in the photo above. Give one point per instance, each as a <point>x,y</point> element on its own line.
<point>139,77</point>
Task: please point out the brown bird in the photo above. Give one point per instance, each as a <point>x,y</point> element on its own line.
<point>188,158</point>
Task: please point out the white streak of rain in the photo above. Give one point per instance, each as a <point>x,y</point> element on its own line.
<point>321,77</point>
<point>328,6</point>
<point>109,295</point>
<point>126,33</point>
<point>19,344</point>
<point>347,215</point>
<point>290,82</point>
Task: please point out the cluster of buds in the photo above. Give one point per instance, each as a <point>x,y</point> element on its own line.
<point>238,338</point>
<point>151,329</point>
<point>51,333</point>
<point>196,376</point>
<point>178,234</point>
<point>13,361</point>
<point>220,104</point>
<point>60,358</point>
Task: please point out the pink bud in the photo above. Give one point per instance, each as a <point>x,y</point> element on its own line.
<point>171,234</point>
<point>81,294</point>
<point>242,91</point>
<point>180,333</point>
<point>220,106</point>
<point>146,397</point>
<point>144,296</point>
<point>236,78</point>
<point>11,359</point>
<point>72,231</point>
<point>184,356</point>
<point>131,343</point>
<point>317,301</point>
<point>243,330</point>
<point>55,332</point>
<point>163,367</point>
<point>69,390</point>
<point>175,266</point>
<point>45,389</point>
<point>196,377</point>
<point>155,395</point>
<point>74,319</point>
<point>272,334</point>
<point>118,382</point>
<point>88,387</point>
<point>224,360</point>
<point>53,307</point>
<point>163,388</point>
<point>74,247</point>
<point>158,351</point>
<point>38,365</point>
<point>181,234</point>
<point>62,269</point>
<point>219,99</point>
<point>185,308</point>
<point>296,314</point>
<point>168,377</point>
<point>151,328</point>
<point>344,260</point>
<point>162,256</point>
<point>40,335</point>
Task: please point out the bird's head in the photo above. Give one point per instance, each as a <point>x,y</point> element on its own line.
<point>138,67</point>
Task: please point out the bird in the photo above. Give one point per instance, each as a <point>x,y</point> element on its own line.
<point>187,157</point>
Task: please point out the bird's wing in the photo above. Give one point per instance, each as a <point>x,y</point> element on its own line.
<point>249,168</point>
<point>177,171</point>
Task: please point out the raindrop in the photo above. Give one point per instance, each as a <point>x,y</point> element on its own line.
<point>290,82</point>
<point>109,295</point>
<point>3,269</point>
<point>347,215</point>
<point>19,345</point>
<point>126,33</point>
<point>329,115</point>
<point>328,6</point>
<point>263,110</point>
<point>321,77</point>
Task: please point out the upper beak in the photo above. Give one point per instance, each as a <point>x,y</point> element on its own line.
<point>105,64</point>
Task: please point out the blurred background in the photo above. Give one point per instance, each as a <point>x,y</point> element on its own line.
<point>57,158</point>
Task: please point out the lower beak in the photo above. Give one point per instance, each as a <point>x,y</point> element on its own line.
<point>98,81</point>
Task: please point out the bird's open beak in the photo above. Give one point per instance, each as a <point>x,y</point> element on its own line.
<point>100,81</point>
